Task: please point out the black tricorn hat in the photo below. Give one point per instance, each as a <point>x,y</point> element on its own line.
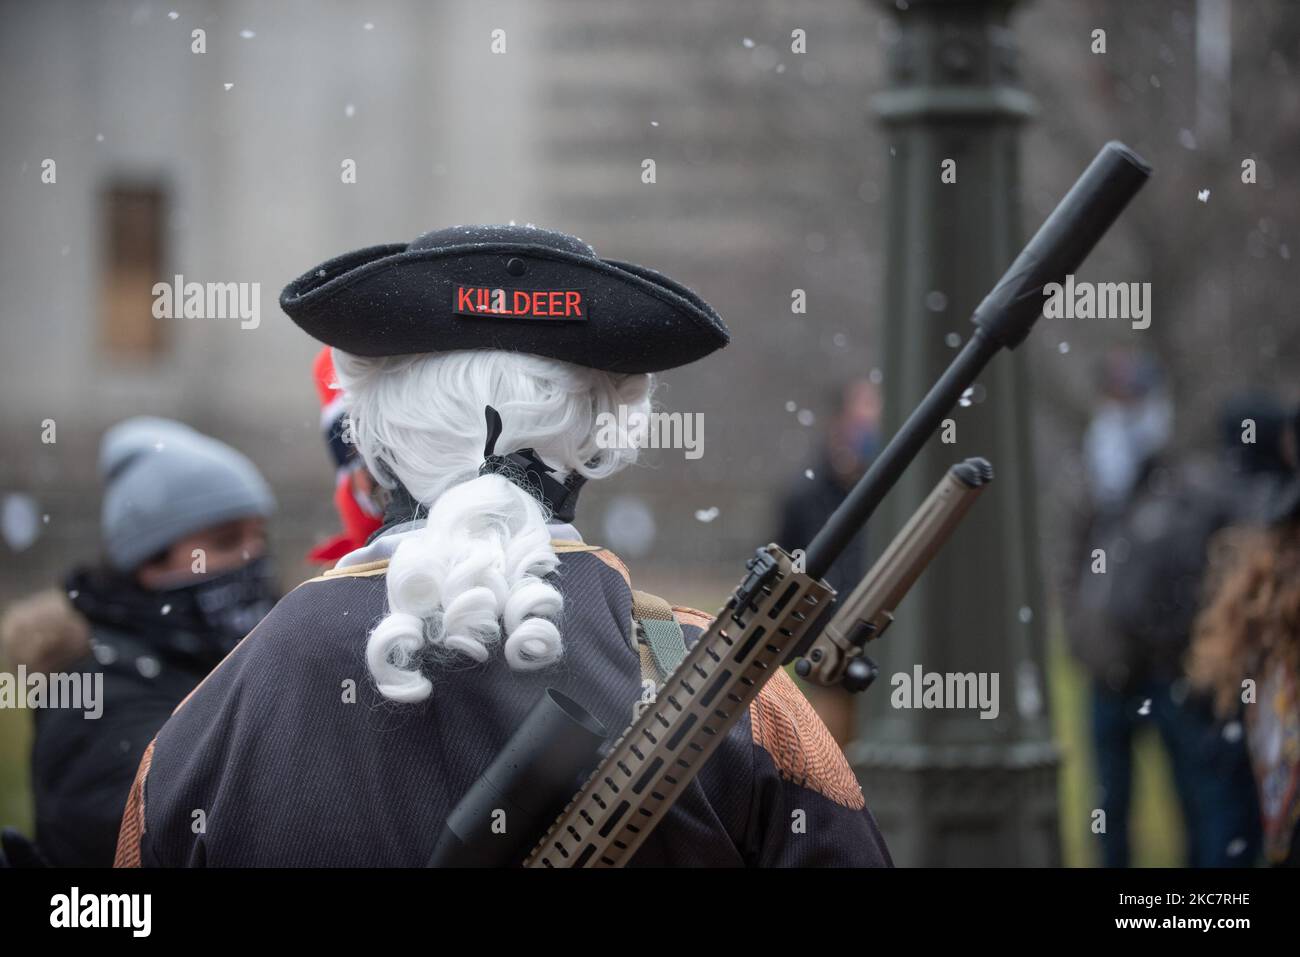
<point>515,288</point>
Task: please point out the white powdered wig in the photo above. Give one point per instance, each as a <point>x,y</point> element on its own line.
<point>478,568</point>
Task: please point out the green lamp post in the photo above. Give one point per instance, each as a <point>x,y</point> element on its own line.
<point>950,785</point>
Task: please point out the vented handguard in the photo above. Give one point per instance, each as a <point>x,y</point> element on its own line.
<point>659,754</point>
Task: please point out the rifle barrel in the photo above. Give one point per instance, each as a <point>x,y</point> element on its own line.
<point>1003,319</point>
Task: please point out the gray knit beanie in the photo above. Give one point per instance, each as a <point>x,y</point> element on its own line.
<point>163,480</point>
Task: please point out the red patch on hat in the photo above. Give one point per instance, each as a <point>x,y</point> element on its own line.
<point>489,302</point>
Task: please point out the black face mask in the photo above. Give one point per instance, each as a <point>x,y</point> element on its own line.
<point>202,621</point>
<point>225,607</point>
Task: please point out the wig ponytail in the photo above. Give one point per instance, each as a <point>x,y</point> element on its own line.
<point>477,574</point>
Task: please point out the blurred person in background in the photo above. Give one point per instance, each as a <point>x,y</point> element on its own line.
<point>1143,558</point>
<point>851,442</point>
<point>48,631</point>
<point>850,445</point>
<point>356,493</point>
<point>183,578</point>
<point>1247,647</point>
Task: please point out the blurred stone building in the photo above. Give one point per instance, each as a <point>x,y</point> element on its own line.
<point>227,166</point>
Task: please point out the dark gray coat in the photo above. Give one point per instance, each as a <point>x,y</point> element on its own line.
<point>271,762</point>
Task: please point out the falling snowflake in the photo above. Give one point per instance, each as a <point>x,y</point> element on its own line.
<point>1203,195</point>
<point>1236,847</point>
<point>1063,348</point>
<point>228,86</point>
<point>806,417</point>
<point>809,474</point>
<point>148,666</point>
<point>1026,614</point>
<point>792,406</point>
<point>629,525</point>
<point>172,15</point>
<point>1145,709</point>
<point>936,301</point>
<point>952,340</point>
<point>18,524</point>
<point>1232,732</point>
<point>247,34</point>
<point>749,44</point>
<point>367,25</point>
<point>349,110</point>
<point>165,610</point>
<point>964,401</point>
<point>706,515</point>
<point>1029,695</point>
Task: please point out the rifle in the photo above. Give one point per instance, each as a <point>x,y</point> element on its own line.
<point>558,741</point>
<point>776,614</point>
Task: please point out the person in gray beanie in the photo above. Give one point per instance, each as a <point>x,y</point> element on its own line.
<point>163,482</point>
<point>184,576</point>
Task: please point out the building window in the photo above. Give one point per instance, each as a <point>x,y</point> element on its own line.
<point>133,217</point>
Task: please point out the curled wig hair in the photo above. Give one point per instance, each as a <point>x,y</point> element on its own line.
<point>477,572</point>
<point>1252,617</point>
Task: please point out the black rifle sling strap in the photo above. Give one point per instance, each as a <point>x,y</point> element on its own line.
<point>658,635</point>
